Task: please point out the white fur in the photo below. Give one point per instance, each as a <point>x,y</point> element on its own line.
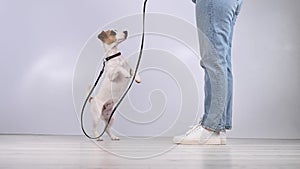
<point>116,78</point>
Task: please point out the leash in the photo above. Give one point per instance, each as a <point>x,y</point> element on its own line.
<point>128,88</point>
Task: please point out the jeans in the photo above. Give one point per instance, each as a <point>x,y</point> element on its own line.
<point>215,23</point>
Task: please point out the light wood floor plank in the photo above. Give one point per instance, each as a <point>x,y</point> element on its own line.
<point>77,152</point>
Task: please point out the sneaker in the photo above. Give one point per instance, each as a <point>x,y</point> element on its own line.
<point>223,137</point>
<point>198,135</point>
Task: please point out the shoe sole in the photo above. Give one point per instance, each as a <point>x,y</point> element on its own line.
<point>223,141</point>
<point>204,142</point>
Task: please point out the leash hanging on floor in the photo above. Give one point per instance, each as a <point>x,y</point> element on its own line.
<point>128,88</point>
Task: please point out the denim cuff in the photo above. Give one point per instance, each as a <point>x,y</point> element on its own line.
<point>210,128</point>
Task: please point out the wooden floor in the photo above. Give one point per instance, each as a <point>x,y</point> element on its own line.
<point>76,152</point>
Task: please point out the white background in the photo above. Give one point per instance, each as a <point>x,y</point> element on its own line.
<point>41,39</point>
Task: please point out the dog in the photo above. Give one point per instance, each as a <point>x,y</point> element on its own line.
<point>117,75</point>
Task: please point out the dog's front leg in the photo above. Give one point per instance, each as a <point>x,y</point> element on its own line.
<point>116,72</point>
<point>137,77</point>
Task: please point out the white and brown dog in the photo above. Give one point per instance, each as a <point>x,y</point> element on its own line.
<point>117,74</point>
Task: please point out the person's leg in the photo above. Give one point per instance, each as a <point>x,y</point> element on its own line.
<point>227,116</point>
<point>214,21</point>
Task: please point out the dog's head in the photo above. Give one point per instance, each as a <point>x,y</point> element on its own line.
<point>112,37</point>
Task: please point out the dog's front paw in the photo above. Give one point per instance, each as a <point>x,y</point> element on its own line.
<point>138,79</point>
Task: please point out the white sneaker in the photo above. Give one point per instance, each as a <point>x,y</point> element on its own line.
<point>223,137</point>
<point>198,135</point>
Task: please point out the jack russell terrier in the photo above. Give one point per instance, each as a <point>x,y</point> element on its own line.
<point>117,74</point>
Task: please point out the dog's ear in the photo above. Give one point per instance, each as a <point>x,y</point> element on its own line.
<point>102,36</point>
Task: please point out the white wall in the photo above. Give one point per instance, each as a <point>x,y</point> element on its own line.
<point>41,41</point>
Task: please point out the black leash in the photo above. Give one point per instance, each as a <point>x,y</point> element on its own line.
<point>128,88</point>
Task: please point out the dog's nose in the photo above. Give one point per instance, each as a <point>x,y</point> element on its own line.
<point>126,33</point>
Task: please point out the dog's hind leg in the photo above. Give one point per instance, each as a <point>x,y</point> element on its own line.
<point>96,116</point>
<point>106,113</point>
<point>108,130</point>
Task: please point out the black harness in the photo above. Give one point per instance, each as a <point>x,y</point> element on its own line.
<point>113,56</point>
<point>100,74</point>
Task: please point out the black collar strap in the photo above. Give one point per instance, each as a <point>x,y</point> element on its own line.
<point>113,56</point>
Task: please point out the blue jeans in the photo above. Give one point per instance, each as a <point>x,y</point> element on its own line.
<point>215,22</point>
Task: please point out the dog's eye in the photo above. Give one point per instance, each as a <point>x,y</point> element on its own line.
<point>113,33</point>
